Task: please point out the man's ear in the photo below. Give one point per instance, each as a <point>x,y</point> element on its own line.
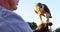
<point>42,6</point>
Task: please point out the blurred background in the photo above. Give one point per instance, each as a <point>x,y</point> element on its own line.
<point>26,11</point>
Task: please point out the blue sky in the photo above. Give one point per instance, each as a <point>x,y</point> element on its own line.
<point>26,11</point>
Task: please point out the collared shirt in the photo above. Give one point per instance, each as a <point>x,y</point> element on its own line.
<point>11,22</point>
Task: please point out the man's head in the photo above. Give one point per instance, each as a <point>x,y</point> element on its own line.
<point>9,4</point>
<point>39,8</point>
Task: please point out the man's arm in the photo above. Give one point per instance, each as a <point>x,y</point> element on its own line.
<point>46,9</point>
<point>40,17</point>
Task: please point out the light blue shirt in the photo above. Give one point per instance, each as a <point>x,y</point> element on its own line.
<point>11,22</point>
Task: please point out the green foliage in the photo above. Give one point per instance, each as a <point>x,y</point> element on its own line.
<point>33,25</point>
<point>57,30</point>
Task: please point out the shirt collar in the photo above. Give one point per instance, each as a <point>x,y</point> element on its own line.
<point>3,9</point>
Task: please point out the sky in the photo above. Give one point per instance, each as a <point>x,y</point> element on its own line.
<point>26,11</point>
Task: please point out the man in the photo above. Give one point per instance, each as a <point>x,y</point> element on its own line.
<point>10,21</point>
<point>43,10</point>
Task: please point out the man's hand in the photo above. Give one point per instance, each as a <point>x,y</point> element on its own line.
<point>36,12</point>
<point>50,16</point>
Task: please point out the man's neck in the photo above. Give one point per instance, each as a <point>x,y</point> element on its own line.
<point>3,8</point>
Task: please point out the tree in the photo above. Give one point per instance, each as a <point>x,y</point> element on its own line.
<point>57,30</point>
<point>33,25</point>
